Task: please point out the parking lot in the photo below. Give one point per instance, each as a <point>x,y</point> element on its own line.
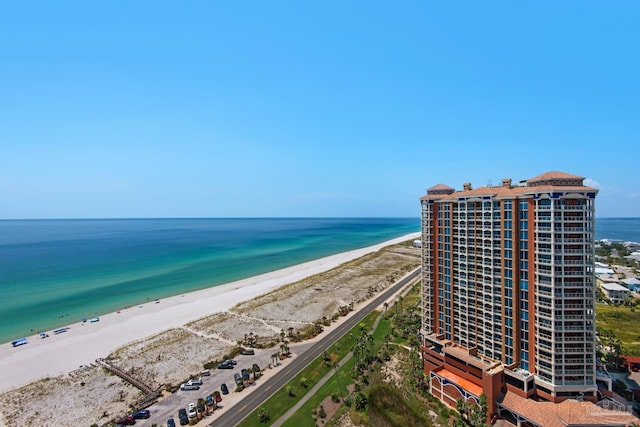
<point>168,406</point>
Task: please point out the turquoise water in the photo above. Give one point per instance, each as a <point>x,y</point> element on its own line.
<point>55,272</point>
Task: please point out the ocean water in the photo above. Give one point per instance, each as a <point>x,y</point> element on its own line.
<point>56,272</point>
<point>626,229</point>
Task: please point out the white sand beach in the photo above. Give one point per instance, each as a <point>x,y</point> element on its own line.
<point>82,344</point>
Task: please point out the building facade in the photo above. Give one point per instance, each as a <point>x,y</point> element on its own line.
<point>508,290</point>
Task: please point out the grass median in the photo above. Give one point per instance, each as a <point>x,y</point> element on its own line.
<point>285,398</point>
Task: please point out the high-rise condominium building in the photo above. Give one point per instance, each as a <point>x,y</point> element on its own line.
<point>508,290</point>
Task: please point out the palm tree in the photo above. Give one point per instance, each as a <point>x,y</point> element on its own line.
<point>386,306</point>
<point>284,348</point>
<point>370,340</point>
<point>290,331</point>
<point>304,382</point>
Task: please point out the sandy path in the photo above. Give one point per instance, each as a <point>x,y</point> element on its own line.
<point>82,344</point>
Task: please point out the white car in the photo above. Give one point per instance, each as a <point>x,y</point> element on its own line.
<point>192,410</point>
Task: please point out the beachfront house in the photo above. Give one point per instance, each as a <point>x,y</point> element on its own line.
<point>633,283</point>
<point>614,292</point>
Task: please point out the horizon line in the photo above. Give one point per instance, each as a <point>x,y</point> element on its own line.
<point>212,217</point>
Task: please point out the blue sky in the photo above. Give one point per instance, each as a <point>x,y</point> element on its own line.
<point>331,108</point>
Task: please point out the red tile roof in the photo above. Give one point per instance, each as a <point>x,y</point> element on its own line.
<point>567,413</point>
<point>555,175</point>
<point>440,187</point>
<point>508,192</point>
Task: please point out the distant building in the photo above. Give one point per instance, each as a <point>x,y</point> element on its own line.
<point>634,256</point>
<point>608,277</point>
<point>632,283</point>
<point>632,246</point>
<point>508,292</point>
<point>604,270</point>
<point>614,292</point>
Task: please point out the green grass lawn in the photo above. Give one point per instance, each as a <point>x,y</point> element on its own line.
<point>278,404</point>
<point>303,417</point>
<point>624,323</point>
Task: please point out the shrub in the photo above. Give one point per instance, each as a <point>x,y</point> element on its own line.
<point>361,401</point>
<point>322,413</point>
<point>263,415</point>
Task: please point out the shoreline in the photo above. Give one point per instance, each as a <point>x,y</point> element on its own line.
<point>83,343</point>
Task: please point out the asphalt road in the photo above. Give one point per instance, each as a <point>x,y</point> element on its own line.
<point>252,401</point>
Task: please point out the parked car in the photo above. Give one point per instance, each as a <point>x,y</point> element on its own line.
<point>184,419</point>
<point>247,351</point>
<point>232,361</point>
<point>171,423</point>
<point>217,397</point>
<point>237,378</point>
<point>127,421</point>
<point>187,386</point>
<point>245,375</point>
<point>192,410</point>
<point>224,388</point>
<point>256,368</point>
<point>225,365</point>
<point>209,400</point>
<point>195,381</point>
<point>142,414</point>
<point>205,372</point>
